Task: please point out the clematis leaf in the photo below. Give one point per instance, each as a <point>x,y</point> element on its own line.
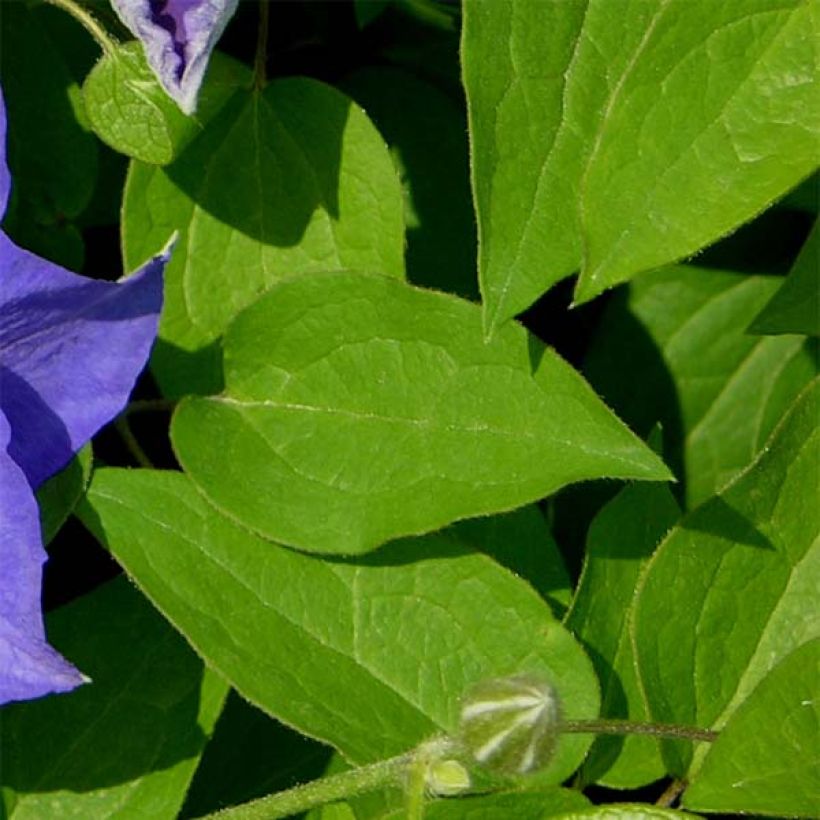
<point>522,542</point>
<point>527,804</point>
<point>765,760</point>
<point>404,633</point>
<point>795,308</point>
<point>126,746</point>
<point>129,110</point>
<point>282,182</point>
<point>178,37</point>
<point>58,496</point>
<point>356,395</point>
<point>732,589</point>
<point>53,154</point>
<point>673,347</point>
<point>620,541</point>
<point>427,136</point>
<point>596,126</point>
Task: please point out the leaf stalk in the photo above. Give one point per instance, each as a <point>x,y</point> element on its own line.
<point>669,731</point>
<point>88,22</point>
<point>319,792</point>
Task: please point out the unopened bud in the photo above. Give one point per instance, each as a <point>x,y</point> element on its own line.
<point>511,725</point>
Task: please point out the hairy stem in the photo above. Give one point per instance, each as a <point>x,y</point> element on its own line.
<point>670,731</point>
<point>415,788</point>
<point>318,792</point>
<point>87,20</point>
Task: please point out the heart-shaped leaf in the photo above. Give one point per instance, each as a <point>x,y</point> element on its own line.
<point>281,182</point>
<point>130,111</point>
<point>382,406</point>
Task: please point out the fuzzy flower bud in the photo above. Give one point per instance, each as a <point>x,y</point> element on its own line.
<point>511,725</point>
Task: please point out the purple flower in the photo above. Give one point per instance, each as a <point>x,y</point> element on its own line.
<point>70,351</point>
<point>178,37</point>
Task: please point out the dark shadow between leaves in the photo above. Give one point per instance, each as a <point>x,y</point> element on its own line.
<point>248,756</point>
<point>264,164</point>
<point>627,369</point>
<point>427,133</point>
<point>434,546</point>
<point>139,714</point>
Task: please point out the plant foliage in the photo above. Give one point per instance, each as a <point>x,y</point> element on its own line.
<point>383,453</point>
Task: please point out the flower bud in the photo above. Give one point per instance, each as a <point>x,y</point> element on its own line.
<point>446,778</point>
<point>511,725</point>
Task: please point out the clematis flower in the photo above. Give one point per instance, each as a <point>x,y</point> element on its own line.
<point>178,37</point>
<point>70,351</point>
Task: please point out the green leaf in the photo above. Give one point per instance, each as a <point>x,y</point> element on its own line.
<point>358,409</point>
<point>249,756</point>
<point>795,307</point>
<point>35,225</point>
<point>595,126</point>
<point>522,542</point>
<point>767,759</point>
<point>673,347</point>
<point>124,745</point>
<point>290,180</point>
<point>53,158</point>
<point>130,111</point>
<point>332,811</point>
<point>59,495</point>
<point>521,805</point>
<point>621,539</point>
<point>367,11</point>
<point>732,590</point>
<point>371,657</point>
<point>427,135</point>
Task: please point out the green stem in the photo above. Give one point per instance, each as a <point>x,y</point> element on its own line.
<point>415,788</point>
<point>318,792</point>
<point>87,20</point>
<point>261,59</point>
<point>670,795</point>
<point>670,731</point>
<point>130,440</point>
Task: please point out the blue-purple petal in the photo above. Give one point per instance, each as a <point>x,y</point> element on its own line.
<point>29,667</point>
<point>71,349</point>
<point>5,176</point>
<point>178,37</point>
